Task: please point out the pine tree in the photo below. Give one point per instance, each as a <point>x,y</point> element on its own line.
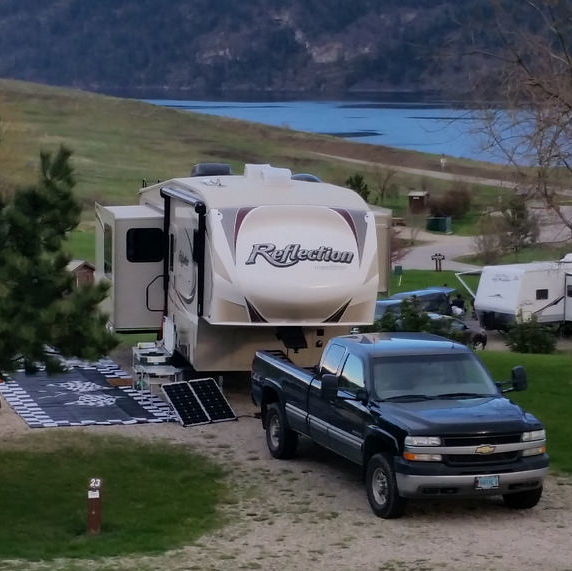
<point>40,310</point>
<point>357,182</point>
<point>521,225</point>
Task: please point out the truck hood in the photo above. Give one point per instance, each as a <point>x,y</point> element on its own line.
<point>461,416</point>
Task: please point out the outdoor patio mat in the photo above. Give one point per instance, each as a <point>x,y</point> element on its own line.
<point>80,397</point>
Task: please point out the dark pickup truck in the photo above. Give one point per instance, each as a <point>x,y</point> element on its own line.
<point>418,412</point>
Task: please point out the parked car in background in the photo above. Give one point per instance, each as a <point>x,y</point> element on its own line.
<point>468,333</point>
<point>435,298</point>
<point>382,306</point>
<point>472,335</point>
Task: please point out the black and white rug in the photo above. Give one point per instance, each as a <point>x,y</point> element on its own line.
<point>81,397</point>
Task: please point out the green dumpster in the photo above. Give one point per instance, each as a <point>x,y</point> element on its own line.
<point>439,224</point>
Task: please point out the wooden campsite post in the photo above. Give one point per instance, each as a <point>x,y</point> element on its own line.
<point>438,259</point>
<point>94,506</point>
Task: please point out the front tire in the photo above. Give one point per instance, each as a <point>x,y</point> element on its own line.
<point>282,442</point>
<point>523,500</point>
<point>382,491</point>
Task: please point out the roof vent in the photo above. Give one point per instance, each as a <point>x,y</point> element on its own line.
<point>267,173</point>
<point>211,169</point>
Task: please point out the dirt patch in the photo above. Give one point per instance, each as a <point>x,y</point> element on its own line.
<point>312,512</point>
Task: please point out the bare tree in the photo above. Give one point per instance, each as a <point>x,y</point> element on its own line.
<point>531,69</point>
<point>489,241</point>
<point>382,178</point>
<point>398,246</point>
<point>415,223</point>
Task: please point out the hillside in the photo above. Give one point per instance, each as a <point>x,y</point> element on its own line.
<point>119,142</point>
<point>182,48</point>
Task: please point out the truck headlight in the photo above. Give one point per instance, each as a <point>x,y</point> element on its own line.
<point>533,435</point>
<point>423,441</point>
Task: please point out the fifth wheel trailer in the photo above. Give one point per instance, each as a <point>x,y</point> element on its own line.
<point>228,264</point>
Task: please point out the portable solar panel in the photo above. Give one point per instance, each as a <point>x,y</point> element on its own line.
<point>186,404</point>
<point>212,399</point>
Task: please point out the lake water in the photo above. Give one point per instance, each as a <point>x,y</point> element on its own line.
<point>425,127</point>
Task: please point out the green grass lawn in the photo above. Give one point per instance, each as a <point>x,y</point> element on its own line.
<point>155,496</point>
<point>419,279</point>
<point>548,396</point>
<point>534,253</point>
<point>81,245</point>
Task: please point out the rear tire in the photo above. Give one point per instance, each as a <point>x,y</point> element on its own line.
<point>478,344</point>
<point>282,442</point>
<point>382,491</point>
<point>523,500</point>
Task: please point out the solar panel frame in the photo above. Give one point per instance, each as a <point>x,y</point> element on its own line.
<point>185,403</point>
<point>212,399</point>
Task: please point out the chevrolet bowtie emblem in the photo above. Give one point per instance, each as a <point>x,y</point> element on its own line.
<point>485,449</point>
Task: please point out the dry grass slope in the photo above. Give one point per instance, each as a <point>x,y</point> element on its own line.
<point>118,142</point>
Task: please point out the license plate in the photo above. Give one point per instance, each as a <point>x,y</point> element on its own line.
<point>486,482</point>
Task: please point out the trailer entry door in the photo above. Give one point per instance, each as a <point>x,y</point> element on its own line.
<point>568,298</point>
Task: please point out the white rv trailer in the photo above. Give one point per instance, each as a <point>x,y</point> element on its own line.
<point>228,264</point>
<point>519,291</point>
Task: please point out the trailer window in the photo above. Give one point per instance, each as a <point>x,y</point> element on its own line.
<point>107,250</point>
<point>541,294</point>
<point>569,290</point>
<point>144,245</point>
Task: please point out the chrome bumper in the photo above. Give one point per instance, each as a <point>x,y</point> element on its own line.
<point>412,486</point>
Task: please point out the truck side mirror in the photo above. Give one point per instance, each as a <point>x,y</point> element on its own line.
<point>361,395</point>
<point>518,378</point>
<point>329,389</point>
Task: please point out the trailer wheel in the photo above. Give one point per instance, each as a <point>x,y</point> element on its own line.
<point>382,491</point>
<point>523,500</point>
<point>281,441</point>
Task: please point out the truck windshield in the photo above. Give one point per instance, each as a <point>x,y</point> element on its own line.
<point>431,376</point>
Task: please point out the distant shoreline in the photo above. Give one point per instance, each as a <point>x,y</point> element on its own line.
<point>387,96</point>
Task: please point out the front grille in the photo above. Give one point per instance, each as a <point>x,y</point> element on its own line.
<point>482,439</point>
<point>479,459</point>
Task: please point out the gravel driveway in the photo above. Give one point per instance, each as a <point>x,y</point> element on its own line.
<point>312,513</point>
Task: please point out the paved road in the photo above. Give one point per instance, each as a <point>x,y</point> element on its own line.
<point>451,246</point>
<point>419,257</point>
<point>442,175</point>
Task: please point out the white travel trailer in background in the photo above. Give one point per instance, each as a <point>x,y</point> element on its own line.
<point>519,291</point>
<point>229,264</point>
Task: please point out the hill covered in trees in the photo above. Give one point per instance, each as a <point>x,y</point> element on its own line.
<point>201,47</point>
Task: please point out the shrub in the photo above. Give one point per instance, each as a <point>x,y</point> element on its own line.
<point>454,203</point>
<point>530,337</point>
<point>413,319</point>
